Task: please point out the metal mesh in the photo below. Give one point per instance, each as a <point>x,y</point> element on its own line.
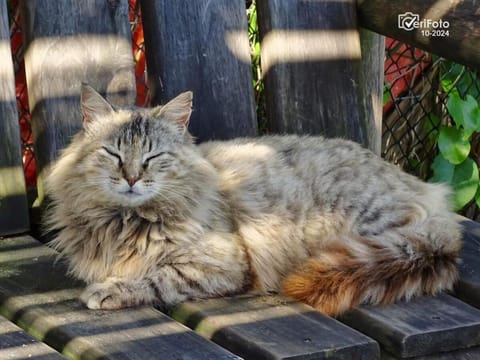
<point>16,43</point>
<point>138,48</point>
<point>416,90</point>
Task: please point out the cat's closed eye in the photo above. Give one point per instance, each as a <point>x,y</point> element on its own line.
<point>164,158</point>
<point>113,154</point>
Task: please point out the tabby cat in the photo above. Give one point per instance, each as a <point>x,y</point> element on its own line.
<point>145,216</point>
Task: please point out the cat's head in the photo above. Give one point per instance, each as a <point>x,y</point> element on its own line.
<point>133,155</point>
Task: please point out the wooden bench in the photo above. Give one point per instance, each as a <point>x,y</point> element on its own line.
<point>328,81</point>
<point>37,296</point>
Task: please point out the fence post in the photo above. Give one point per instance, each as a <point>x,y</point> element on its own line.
<point>315,79</point>
<point>69,42</point>
<point>202,45</point>
<point>13,198</point>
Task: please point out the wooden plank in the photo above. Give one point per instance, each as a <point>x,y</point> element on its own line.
<point>202,45</point>
<point>370,73</point>
<point>423,326</point>
<point>69,42</point>
<point>468,287</point>
<point>273,328</point>
<point>462,44</point>
<point>466,354</point>
<point>315,80</point>
<point>35,293</point>
<point>17,344</point>
<point>13,198</point>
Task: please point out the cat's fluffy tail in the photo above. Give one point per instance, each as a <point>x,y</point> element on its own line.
<point>361,270</point>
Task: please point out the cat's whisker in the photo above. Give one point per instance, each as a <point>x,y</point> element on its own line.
<point>182,195</point>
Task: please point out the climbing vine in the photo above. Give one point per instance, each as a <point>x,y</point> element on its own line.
<point>458,158</point>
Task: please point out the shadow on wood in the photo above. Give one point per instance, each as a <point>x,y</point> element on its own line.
<point>202,46</point>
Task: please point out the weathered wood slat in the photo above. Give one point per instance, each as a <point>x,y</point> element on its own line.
<point>468,287</point>
<point>315,80</point>
<point>274,328</point>
<point>462,44</point>
<point>423,326</point>
<point>69,42</point>
<point>17,344</point>
<point>13,199</point>
<point>465,354</point>
<point>202,45</point>
<point>36,294</point>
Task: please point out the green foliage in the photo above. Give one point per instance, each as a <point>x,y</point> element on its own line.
<point>462,177</point>
<point>453,144</point>
<point>386,94</point>
<point>456,164</point>
<point>258,87</point>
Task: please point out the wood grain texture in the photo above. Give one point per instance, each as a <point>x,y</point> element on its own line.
<point>69,42</point>
<point>13,199</point>
<point>35,293</point>
<point>423,326</point>
<point>468,287</point>
<point>315,79</point>
<point>17,344</point>
<point>202,46</point>
<point>274,328</point>
<point>465,354</point>
<point>461,45</point>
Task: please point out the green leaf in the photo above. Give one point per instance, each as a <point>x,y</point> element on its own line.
<point>386,97</point>
<point>463,178</point>
<point>450,73</point>
<point>465,183</point>
<point>464,112</point>
<point>447,85</point>
<point>453,145</point>
<point>477,196</point>
<point>442,170</point>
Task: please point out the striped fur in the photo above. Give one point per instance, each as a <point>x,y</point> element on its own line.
<point>345,276</point>
<point>145,216</point>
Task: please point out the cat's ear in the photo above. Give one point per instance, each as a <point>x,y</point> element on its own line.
<point>178,110</point>
<point>93,105</point>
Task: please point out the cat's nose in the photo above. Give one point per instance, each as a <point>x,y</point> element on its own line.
<point>131,180</point>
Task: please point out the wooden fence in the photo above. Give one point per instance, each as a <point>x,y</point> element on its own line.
<point>322,73</point>
<point>13,199</point>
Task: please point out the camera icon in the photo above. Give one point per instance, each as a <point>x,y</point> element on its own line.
<point>408,21</point>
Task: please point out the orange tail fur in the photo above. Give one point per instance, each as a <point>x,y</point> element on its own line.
<point>365,272</point>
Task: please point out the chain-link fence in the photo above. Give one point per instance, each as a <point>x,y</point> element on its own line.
<point>416,94</point>
<point>420,91</point>
<point>17,46</point>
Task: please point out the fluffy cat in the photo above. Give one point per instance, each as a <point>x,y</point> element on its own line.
<point>144,216</point>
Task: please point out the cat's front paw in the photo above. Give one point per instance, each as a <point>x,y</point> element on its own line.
<point>106,296</point>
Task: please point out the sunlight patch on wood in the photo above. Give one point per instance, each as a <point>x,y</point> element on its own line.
<point>6,72</point>
<point>13,182</point>
<point>286,46</point>
<point>107,58</point>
